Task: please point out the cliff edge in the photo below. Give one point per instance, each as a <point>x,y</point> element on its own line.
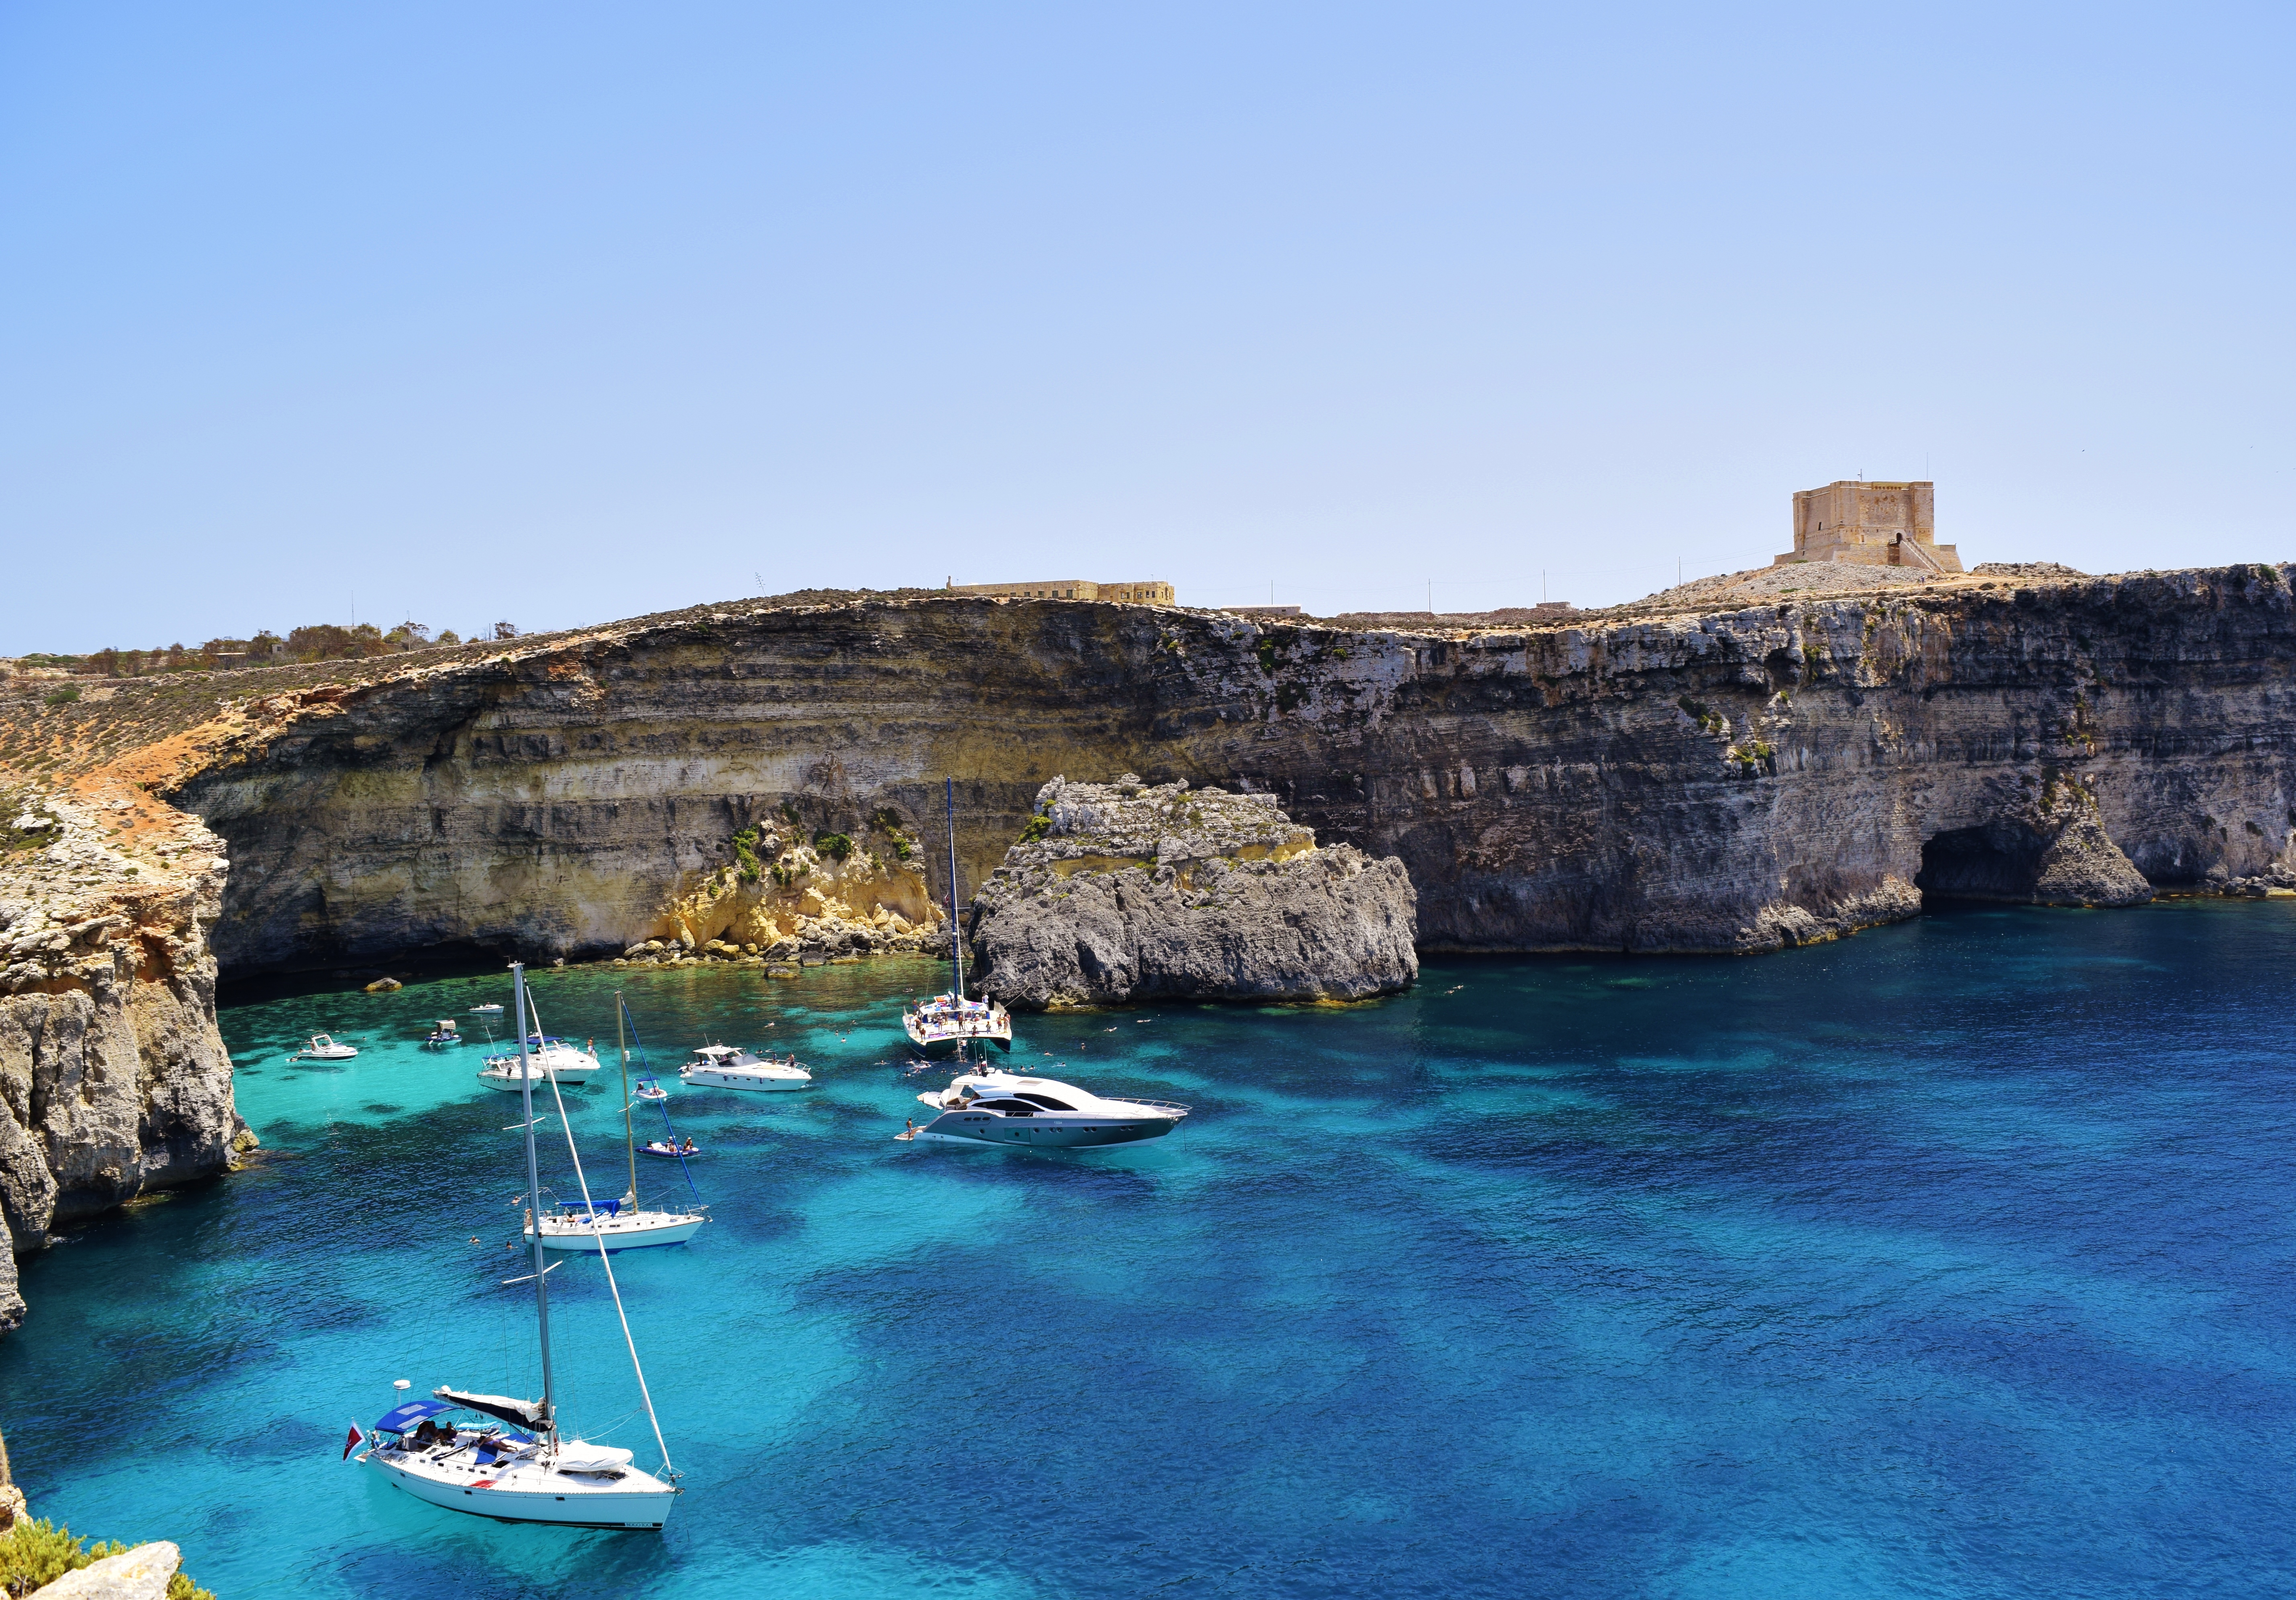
<point>1127,891</point>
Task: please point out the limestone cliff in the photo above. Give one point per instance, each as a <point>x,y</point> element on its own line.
<point>1123,892</point>
<point>113,1073</point>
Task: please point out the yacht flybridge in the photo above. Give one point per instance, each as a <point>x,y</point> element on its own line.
<point>554,1059</point>
<point>726,1067</point>
<point>951,1020</point>
<point>995,1107</point>
<point>498,1456</point>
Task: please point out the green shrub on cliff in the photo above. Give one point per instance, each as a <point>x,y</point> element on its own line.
<point>62,697</point>
<point>887,822</point>
<point>745,851</point>
<point>34,1554</point>
<point>1040,824</point>
<point>837,847</point>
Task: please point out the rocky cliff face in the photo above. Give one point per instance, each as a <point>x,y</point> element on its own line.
<point>1661,780</point>
<point>113,1074</point>
<point>1122,891</point>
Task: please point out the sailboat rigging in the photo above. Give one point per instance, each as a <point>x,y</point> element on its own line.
<point>499,1457</point>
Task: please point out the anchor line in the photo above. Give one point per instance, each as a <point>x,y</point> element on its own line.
<point>605,1257</point>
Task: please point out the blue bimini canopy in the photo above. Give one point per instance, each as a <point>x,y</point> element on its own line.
<point>406,1416</point>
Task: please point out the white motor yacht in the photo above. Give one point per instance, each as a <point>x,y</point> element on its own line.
<point>995,1107</point>
<point>324,1048</point>
<point>725,1066</point>
<point>553,1058</point>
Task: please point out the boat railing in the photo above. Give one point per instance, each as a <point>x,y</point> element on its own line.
<point>1174,1106</point>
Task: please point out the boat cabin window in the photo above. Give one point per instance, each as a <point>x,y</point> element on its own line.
<point>1045,1100</point>
<point>1022,1106</point>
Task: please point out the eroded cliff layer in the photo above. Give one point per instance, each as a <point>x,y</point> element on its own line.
<point>1674,781</point>
<point>1122,891</point>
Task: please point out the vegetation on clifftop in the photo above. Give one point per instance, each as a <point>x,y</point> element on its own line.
<point>33,1554</point>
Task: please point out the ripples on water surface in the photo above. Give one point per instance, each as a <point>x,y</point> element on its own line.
<point>1951,1259</point>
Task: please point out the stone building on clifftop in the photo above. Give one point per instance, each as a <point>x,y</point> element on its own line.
<point>1874,524</point>
<point>1143,591</point>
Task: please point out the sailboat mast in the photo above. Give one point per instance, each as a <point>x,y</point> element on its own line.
<point>533,1187</point>
<point>955,931</point>
<point>629,1134</point>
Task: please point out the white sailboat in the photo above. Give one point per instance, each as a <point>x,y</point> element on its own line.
<point>528,1471</point>
<point>951,1018</point>
<point>621,1224</point>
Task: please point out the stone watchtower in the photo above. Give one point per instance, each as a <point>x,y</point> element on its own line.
<point>1876,524</point>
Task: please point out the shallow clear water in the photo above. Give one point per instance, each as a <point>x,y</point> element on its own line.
<point>1951,1259</point>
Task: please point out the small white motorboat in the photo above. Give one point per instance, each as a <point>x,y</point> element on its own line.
<point>321,1047</point>
<point>442,1036</point>
<point>725,1066</point>
<point>554,1059</point>
<point>577,1227</point>
<point>489,1010</point>
<point>668,1151</point>
<point>995,1107</point>
<point>648,1089</point>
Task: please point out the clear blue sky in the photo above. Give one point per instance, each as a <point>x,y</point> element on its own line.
<point>565,312</point>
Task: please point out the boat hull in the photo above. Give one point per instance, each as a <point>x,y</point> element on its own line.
<point>621,1233</point>
<point>940,1044</point>
<point>508,1500</point>
<point>712,1078</point>
<point>973,1127</point>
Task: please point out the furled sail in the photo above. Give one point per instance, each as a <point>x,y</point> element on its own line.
<point>523,1414</point>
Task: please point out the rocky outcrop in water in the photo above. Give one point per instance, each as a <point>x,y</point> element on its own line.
<point>1127,891</point>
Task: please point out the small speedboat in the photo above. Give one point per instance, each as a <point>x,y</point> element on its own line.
<point>324,1048</point>
<point>553,1058</point>
<point>667,1151</point>
<point>725,1066</point>
<point>575,1227</point>
<point>995,1107</point>
<point>486,1011</point>
<point>648,1089</point>
<point>442,1036</point>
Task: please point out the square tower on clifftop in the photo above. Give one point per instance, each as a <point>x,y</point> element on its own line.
<point>1877,524</point>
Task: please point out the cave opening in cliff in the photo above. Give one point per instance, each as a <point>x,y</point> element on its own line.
<point>1977,864</point>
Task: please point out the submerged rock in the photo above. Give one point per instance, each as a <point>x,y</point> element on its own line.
<point>1122,892</point>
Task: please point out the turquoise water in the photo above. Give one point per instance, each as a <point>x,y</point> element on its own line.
<point>1952,1259</point>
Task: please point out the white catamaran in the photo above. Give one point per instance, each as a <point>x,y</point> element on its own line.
<point>525,1470</point>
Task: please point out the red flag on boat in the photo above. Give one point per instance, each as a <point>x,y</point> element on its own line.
<point>352,1443</point>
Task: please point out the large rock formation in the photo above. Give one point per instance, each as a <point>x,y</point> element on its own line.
<point>1125,892</point>
<point>114,1076</point>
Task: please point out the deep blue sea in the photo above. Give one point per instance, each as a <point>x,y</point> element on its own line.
<point>1951,1259</point>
